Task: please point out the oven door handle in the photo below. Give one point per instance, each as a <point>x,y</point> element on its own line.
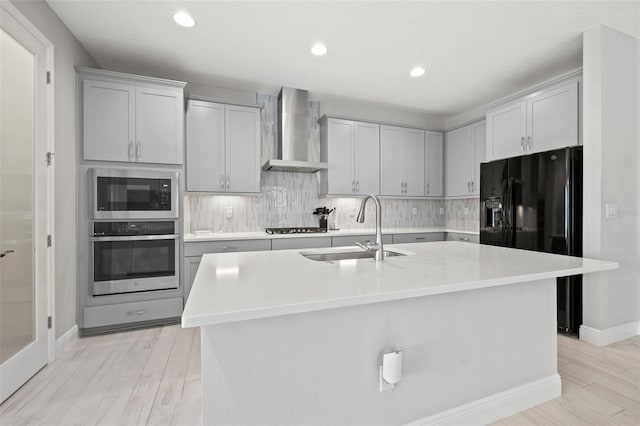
<point>137,237</point>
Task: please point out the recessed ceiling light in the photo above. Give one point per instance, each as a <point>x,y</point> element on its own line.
<point>417,72</point>
<point>184,19</point>
<point>319,49</point>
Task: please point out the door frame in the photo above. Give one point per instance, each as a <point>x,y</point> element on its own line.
<point>46,145</point>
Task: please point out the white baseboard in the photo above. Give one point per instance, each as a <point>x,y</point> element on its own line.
<point>65,339</point>
<point>609,335</point>
<point>499,405</point>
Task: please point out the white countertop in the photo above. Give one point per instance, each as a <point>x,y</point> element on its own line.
<point>233,287</point>
<point>260,235</point>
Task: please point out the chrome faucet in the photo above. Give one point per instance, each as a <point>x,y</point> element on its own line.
<point>377,246</point>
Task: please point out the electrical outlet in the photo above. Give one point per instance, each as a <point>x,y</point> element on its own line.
<point>414,211</point>
<point>441,211</point>
<point>611,211</point>
<point>228,212</point>
<point>466,211</point>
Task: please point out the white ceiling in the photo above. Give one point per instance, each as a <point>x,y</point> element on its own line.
<point>475,51</point>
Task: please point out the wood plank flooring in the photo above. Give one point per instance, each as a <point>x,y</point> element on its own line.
<point>152,377</point>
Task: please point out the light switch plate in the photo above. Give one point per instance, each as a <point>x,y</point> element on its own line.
<point>441,211</point>
<point>466,211</point>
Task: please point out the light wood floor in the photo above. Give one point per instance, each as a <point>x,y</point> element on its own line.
<point>153,377</point>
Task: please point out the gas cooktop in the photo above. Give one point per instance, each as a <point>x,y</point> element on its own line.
<point>302,230</point>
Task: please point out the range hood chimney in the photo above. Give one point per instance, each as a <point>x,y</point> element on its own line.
<point>292,154</point>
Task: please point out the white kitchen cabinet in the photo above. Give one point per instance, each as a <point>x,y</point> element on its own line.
<point>130,118</point>
<point>464,152</point>
<point>352,151</point>
<point>300,243</point>
<point>423,237</point>
<point>402,156</point>
<point>434,164</point>
<point>540,122</point>
<point>223,148</point>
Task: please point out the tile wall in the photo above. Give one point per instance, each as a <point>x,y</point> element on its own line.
<point>463,214</point>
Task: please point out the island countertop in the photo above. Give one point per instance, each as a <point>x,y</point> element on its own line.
<point>232,287</point>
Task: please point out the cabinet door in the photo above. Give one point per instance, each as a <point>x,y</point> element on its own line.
<point>506,128</point>
<point>367,158</point>
<point>414,163</point>
<point>553,118</point>
<point>341,152</point>
<point>242,147</point>
<point>458,158</point>
<point>392,156</point>
<point>479,154</point>
<point>159,125</point>
<point>190,269</point>
<point>434,162</point>
<point>108,121</point>
<point>205,146</point>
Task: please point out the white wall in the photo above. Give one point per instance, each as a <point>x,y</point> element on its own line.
<point>611,155</point>
<point>68,53</point>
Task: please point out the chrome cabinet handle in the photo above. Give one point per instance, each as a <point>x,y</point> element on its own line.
<point>468,186</point>
<point>358,186</point>
<point>353,186</point>
<point>140,312</point>
<point>138,150</point>
<point>6,252</point>
<point>529,144</point>
<point>427,187</point>
<point>130,149</point>
<point>221,181</point>
<point>229,248</point>
<point>522,144</point>
<point>473,185</point>
<point>463,239</point>
<point>228,181</point>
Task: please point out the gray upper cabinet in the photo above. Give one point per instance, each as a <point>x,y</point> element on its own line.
<point>434,164</point>
<point>223,148</point>
<point>465,150</point>
<point>545,120</point>
<point>402,157</point>
<point>352,151</point>
<point>131,118</point>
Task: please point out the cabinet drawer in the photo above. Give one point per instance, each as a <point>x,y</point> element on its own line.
<point>418,238</point>
<point>98,316</point>
<point>202,247</point>
<point>350,240</point>
<point>467,238</point>
<point>300,243</point>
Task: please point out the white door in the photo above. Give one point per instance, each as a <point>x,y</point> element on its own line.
<point>205,147</point>
<point>367,158</point>
<point>553,118</point>
<point>414,163</point>
<point>480,152</point>
<point>340,140</point>
<point>24,206</point>
<point>458,166</point>
<point>506,131</point>
<point>159,126</point>
<point>434,164</point>
<point>242,146</point>
<point>392,148</point>
<point>109,121</point>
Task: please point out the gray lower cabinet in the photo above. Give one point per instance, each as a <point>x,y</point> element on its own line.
<point>467,238</point>
<point>418,238</point>
<point>350,240</point>
<point>123,313</point>
<point>189,270</point>
<point>300,243</point>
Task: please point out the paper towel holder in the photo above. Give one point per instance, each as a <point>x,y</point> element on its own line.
<point>390,370</point>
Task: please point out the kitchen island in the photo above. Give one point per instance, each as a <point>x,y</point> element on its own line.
<point>289,340</point>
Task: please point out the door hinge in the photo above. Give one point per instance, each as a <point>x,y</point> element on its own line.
<point>48,77</point>
<point>49,322</point>
<point>49,158</point>
<point>49,240</point>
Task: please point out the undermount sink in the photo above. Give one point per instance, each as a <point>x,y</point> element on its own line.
<point>331,256</point>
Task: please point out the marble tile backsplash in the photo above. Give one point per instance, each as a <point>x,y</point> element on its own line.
<point>463,214</point>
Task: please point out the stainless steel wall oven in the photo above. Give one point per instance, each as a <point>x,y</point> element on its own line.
<point>134,256</point>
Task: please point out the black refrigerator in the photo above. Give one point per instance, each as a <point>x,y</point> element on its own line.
<point>534,202</point>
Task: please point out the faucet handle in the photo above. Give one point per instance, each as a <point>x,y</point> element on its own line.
<point>368,246</point>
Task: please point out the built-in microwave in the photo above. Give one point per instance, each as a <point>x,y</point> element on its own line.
<point>133,194</point>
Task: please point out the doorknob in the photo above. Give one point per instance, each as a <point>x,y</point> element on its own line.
<point>6,252</point>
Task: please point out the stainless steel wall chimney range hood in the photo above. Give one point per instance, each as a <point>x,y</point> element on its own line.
<point>292,154</point>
